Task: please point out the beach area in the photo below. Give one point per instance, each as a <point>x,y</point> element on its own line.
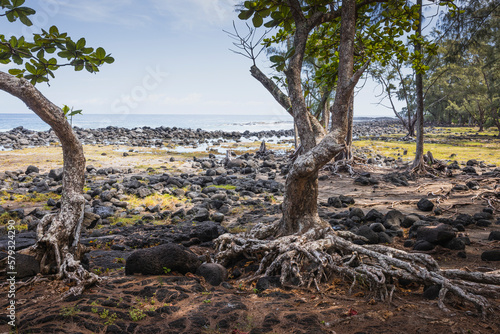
<point>148,188</point>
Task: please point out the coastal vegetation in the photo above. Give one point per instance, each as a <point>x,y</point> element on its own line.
<point>354,226</point>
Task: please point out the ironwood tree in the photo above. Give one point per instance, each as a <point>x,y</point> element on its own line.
<point>34,60</point>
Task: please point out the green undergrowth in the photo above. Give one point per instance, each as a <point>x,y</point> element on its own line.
<point>460,150</point>
<point>225,186</point>
<point>166,201</point>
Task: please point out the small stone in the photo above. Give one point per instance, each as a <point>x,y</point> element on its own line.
<point>408,221</point>
<point>357,212</point>
<point>32,169</point>
<point>455,244</point>
<point>213,273</point>
<point>432,292</point>
<point>267,282</point>
<point>491,255</point>
<point>494,235</point>
<point>335,202</point>
<point>422,245</point>
<point>425,205</point>
<point>369,234</point>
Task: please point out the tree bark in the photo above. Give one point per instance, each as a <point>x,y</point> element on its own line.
<point>300,213</point>
<point>58,248</point>
<point>350,120</point>
<point>418,163</point>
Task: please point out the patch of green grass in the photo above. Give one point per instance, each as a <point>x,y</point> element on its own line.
<point>36,197</point>
<point>136,314</point>
<point>225,186</point>
<point>166,201</point>
<point>463,150</point>
<point>124,220</point>
<point>69,311</point>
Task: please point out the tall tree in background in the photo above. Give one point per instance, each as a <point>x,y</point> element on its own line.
<point>58,245</point>
<point>418,163</point>
<point>307,23</point>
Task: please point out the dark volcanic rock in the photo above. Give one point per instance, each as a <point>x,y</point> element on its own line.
<point>439,234</point>
<point>104,211</point>
<point>432,292</point>
<point>156,260</point>
<point>56,174</point>
<point>368,233</point>
<point>491,255</point>
<point>455,244</point>
<point>422,245</point>
<point>335,202</point>
<point>494,235</point>
<point>409,220</point>
<point>213,273</point>
<point>425,205</point>
<point>268,282</point>
<point>26,266</point>
<point>32,169</point>
<point>394,218</point>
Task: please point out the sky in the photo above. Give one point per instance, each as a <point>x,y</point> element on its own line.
<point>171,57</point>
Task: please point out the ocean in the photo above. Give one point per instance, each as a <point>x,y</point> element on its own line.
<point>239,123</point>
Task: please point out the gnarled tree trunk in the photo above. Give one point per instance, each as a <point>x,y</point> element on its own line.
<point>58,245</point>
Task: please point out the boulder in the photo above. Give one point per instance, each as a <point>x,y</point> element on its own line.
<point>335,202</point>
<point>394,218</point>
<point>26,266</point>
<point>439,234</point>
<point>213,273</point>
<point>409,220</point>
<point>491,255</point>
<point>423,245</point>
<point>32,169</point>
<point>104,211</point>
<point>56,174</point>
<point>157,260</point>
<point>494,235</point>
<point>374,215</point>
<point>267,282</point>
<point>425,205</point>
<point>368,233</point>
<point>357,212</point>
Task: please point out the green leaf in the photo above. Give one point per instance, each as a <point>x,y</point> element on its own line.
<point>80,44</point>
<point>17,59</point>
<point>100,53</point>
<point>277,59</point>
<point>15,71</point>
<point>17,3</point>
<point>10,16</point>
<point>246,14</point>
<point>65,54</point>
<point>53,30</point>
<point>257,20</point>
<point>30,68</point>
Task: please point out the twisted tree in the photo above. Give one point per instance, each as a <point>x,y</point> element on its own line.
<point>58,245</point>
<point>300,246</point>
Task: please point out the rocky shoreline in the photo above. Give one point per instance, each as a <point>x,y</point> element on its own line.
<point>144,221</point>
<point>20,137</point>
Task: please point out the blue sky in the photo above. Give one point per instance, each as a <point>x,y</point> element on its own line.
<point>171,56</point>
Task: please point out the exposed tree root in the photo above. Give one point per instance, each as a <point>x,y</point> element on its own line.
<point>58,248</point>
<point>318,255</point>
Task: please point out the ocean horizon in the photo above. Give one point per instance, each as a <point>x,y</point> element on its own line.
<point>240,123</point>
